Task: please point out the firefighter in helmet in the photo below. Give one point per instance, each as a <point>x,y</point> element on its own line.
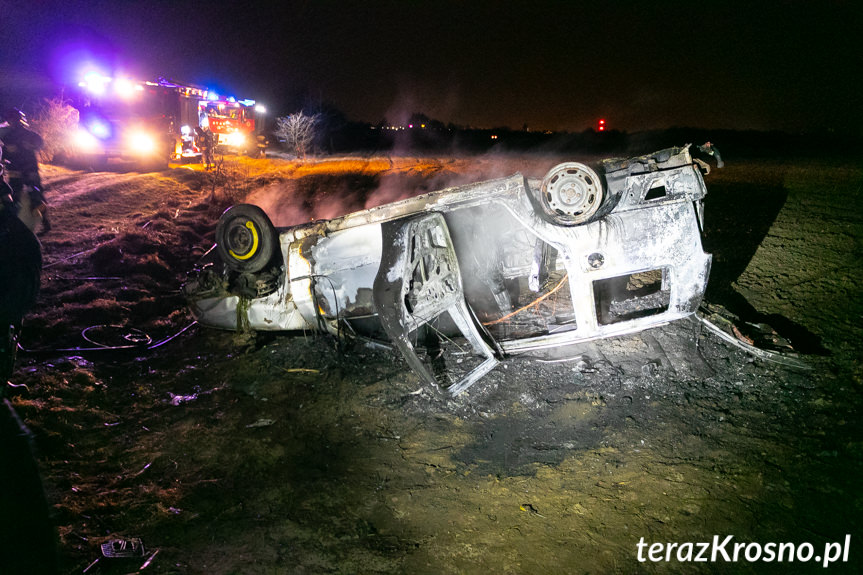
<point>20,146</point>
<point>206,142</point>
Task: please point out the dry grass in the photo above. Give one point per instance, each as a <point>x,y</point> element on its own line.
<point>362,469</point>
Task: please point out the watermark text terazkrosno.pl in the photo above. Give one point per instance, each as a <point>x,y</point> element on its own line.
<point>730,551</point>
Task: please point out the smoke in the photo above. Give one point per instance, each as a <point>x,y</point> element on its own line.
<point>281,204</point>
<point>313,197</point>
<point>422,176</point>
<point>395,186</point>
<point>335,187</point>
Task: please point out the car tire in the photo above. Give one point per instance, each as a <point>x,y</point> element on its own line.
<point>570,195</point>
<point>246,239</point>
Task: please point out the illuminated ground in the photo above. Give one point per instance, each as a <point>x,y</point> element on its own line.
<point>292,456</point>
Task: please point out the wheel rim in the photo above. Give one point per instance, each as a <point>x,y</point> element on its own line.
<point>572,191</point>
<point>243,239</point>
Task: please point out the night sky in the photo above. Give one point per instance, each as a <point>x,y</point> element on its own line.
<point>550,65</point>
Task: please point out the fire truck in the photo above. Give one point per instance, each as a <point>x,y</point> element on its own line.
<point>153,122</point>
<point>237,125</point>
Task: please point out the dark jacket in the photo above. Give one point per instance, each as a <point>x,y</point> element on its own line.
<point>20,147</point>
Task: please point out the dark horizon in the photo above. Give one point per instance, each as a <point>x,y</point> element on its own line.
<point>546,65</point>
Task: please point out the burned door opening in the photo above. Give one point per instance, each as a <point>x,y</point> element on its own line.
<point>419,297</point>
<point>515,281</point>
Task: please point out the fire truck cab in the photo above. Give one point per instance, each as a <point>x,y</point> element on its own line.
<point>236,125</point>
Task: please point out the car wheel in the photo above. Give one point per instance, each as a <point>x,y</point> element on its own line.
<point>245,238</point>
<point>570,194</point>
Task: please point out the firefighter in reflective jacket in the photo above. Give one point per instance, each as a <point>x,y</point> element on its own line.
<point>20,146</point>
<point>206,142</point>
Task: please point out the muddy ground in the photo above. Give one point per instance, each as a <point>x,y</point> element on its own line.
<point>297,454</point>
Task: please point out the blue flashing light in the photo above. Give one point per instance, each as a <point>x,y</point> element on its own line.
<point>99,128</point>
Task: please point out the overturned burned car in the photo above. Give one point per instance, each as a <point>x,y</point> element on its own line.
<point>460,278</point>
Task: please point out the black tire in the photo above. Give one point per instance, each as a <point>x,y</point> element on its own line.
<point>245,238</point>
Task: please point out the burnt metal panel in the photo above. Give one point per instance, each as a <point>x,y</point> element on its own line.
<point>419,281</point>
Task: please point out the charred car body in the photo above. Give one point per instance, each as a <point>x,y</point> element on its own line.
<point>460,278</point>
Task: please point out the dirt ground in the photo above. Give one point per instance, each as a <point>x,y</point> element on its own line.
<point>298,454</point>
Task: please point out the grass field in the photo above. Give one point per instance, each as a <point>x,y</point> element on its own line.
<point>293,456</point>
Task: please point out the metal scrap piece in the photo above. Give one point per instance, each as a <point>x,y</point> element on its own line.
<point>123,548</point>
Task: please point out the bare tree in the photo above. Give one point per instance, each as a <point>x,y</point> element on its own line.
<point>55,121</point>
<point>298,130</point>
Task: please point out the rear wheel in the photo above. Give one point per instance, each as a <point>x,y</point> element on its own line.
<point>245,238</point>
<point>571,194</point>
